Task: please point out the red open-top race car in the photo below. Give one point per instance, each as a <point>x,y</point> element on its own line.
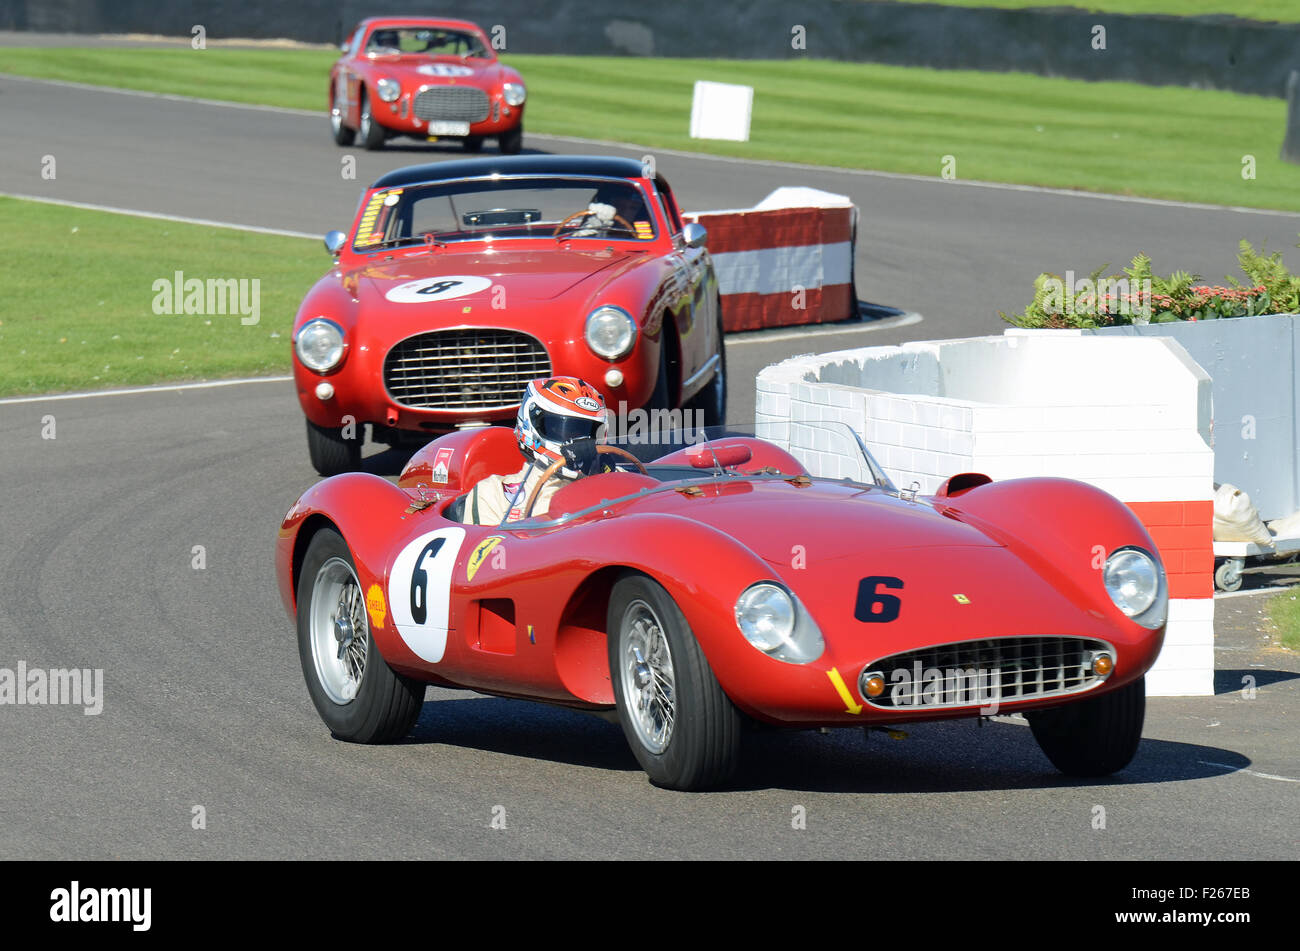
<point>427,78</point>
<point>699,585</point>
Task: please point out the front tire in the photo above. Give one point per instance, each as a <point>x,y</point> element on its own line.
<point>360,698</point>
<point>1094,737</point>
<point>372,134</point>
<point>330,452</point>
<point>682,728</point>
<point>510,143</point>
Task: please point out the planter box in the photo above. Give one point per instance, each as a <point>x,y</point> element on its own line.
<point>1253,363</point>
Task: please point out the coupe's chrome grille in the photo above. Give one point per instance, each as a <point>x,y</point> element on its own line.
<point>466,369</point>
<point>457,103</point>
<point>993,670</point>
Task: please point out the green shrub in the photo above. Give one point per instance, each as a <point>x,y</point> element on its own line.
<point>1140,296</point>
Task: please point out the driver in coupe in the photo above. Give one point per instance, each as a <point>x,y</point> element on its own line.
<point>561,418</point>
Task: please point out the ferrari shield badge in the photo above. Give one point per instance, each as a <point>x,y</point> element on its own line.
<point>479,555</point>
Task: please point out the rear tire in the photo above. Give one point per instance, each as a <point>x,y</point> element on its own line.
<point>510,143</point>
<point>343,135</point>
<point>682,728</point>
<point>372,134</point>
<point>330,452</point>
<point>1094,737</point>
<point>360,698</point>
<point>472,143</point>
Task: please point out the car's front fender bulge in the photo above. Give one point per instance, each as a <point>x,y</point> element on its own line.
<point>1064,529</point>
<point>701,568</point>
<point>361,507</point>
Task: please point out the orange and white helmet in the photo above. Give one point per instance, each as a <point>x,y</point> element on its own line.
<point>556,411</point>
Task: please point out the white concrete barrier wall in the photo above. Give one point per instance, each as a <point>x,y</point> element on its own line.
<point>1130,416</point>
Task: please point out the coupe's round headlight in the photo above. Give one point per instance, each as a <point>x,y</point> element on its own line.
<point>1133,581</point>
<point>514,94</point>
<point>611,331</point>
<point>388,89</point>
<point>765,615</point>
<point>320,345</point>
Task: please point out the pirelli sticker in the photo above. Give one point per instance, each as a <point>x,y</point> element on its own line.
<point>643,230</point>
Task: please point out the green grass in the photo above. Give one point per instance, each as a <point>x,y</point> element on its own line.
<point>1113,137</point>
<point>79,295</point>
<point>1284,610</point>
<point>1284,11</point>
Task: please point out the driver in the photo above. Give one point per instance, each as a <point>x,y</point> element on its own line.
<point>609,203</point>
<point>384,39</point>
<point>561,418</point>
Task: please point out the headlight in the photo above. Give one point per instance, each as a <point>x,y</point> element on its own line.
<point>1136,583</point>
<point>320,345</point>
<point>611,331</point>
<point>773,621</point>
<point>514,94</point>
<point>388,89</point>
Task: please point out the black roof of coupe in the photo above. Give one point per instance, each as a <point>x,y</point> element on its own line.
<point>585,165</point>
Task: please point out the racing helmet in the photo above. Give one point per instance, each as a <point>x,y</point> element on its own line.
<point>555,411</point>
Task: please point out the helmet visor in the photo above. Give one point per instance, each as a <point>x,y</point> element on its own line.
<point>563,429</point>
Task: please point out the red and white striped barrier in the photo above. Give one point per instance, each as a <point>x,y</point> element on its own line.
<point>786,261</point>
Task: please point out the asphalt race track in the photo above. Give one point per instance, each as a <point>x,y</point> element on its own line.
<point>203,699</point>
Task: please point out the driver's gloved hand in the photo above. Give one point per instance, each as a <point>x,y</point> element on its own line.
<point>580,455</point>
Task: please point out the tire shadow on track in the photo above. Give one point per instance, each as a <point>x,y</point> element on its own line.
<point>935,757</point>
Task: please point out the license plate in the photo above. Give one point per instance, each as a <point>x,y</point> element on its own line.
<point>447,127</point>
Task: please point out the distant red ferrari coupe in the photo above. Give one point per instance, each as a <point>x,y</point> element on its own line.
<point>427,78</point>
<point>695,589</point>
<point>461,281</point>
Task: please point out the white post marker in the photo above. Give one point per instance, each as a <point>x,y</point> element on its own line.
<point>721,111</point>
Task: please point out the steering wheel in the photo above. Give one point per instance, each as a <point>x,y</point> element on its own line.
<point>618,220</point>
<point>558,464</point>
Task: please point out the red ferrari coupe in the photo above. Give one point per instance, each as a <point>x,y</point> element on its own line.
<point>695,589</point>
<point>461,281</point>
<point>427,78</point>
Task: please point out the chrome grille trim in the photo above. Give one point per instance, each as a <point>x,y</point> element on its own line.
<point>469,368</point>
<point>455,103</point>
<point>1007,669</point>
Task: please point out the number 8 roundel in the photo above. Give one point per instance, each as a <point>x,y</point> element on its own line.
<point>419,591</point>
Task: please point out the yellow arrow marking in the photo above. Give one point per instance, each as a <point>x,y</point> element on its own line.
<point>842,689</point>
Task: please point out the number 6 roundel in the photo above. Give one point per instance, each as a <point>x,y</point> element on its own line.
<point>419,591</point>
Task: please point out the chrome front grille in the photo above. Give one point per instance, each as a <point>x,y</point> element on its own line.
<point>456,103</point>
<point>465,369</point>
<point>993,670</point>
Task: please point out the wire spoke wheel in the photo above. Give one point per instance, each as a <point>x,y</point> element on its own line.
<point>679,723</point>
<point>340,634</point>
<point>648,679</point>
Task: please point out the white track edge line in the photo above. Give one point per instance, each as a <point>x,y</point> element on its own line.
<point>160,388</point>
<point>180,219</point>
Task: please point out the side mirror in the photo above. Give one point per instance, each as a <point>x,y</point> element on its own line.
<point>344,47</point>
<point>694,235</point>
<point>334,241</point>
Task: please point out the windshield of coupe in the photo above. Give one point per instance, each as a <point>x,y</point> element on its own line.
<point>425,41</point>
<point>503,208</point>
